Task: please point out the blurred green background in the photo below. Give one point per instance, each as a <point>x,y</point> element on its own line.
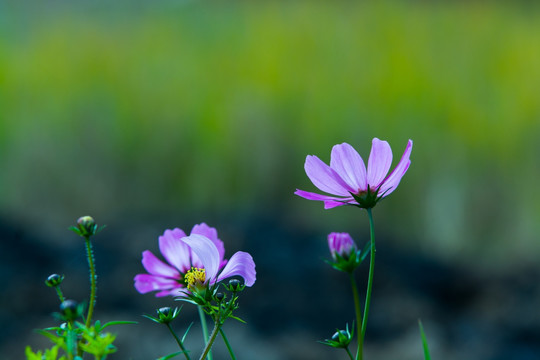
<point>164,114</point>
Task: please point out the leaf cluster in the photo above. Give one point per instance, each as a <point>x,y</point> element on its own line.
<point>76,339</point>
<point>217,304</point>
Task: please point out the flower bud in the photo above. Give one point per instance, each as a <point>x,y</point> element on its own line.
<point>342,338</point>
<point>166,314</point>
<point>54,280</point>
<point>70,310</point>
<point>220,296</point>
<point>342,245</point>
<point>86,226</point>
<point>235,285</point>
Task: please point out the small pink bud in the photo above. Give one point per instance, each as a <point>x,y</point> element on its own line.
<point>341,244</point>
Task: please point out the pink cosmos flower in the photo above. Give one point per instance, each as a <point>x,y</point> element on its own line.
<point>347,179</point>
<point>182,254</point>
<point>240,264</point>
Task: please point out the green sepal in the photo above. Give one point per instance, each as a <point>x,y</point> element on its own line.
<point>152,318</point>
<point>165,318</point>
<point>348,264</point>
<point>340,339</point>
<point>368,199</point>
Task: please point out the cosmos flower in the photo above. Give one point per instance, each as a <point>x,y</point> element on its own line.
<point>240,264</point>
<point>168,278</point>
<point>349,182</point>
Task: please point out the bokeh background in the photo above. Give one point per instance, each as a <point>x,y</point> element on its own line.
<point>155,115</point>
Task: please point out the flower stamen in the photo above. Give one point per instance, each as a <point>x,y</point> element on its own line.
<point>195,278</point>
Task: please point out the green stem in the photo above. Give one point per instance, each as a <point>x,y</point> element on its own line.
<point>178,341</point>
<point>349,352</point>
<point>60,294</point>
<point>227,344</point>
<point>358,313</point>
<point>369,285</point>
<point>93,281</point>
<point>210,341</point>
<point>204,326</point>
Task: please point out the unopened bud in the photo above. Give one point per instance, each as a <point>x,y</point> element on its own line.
<point>220,296</point>
<point>340,339</point>
<point>86,226</point>
<point>341,245</point>
<point>70,310</point>
<point>54,280</point>
<point>166,314</point>
<point>235,285</point>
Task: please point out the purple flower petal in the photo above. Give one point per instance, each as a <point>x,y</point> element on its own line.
<point>240,264</point>
<point>329,204</point>
<point>206,251</point>
<point>341,244</point>
<point>325,178</point>
<point>145,283</point>
<point>174,250</point>
<point>157,267</point>
<point>179,291</point>
<point>350,167</point>
<point>379,162</point>
<point>392,181</point>
<point>211,233</point>
<point>314,196</point>
<point>329,201</point>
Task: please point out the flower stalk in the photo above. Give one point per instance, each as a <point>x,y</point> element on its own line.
<point>362,333</point>
<point>349,353</point>
<point>210,342</point>
<point>358,313</point>
<point>204,327</point>
<point>178,341</point>
<point>226,341</point>
<point>93,281</point>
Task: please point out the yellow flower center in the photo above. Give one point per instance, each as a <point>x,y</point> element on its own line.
<point>195,278</point>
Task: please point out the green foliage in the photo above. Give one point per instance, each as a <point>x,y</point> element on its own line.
<point>49,354</point>
<point>72,339</point>
<point>99,345</point>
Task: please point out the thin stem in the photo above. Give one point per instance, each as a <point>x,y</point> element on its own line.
<point>60,294</point>
<point>204,326</point>
<point>178,341</point>
<point>227,343</point>
<point>349,352</point>
<point>93,281</point>
<point>211,341</point>
<point>369,285</point>
<point>358,313</point>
